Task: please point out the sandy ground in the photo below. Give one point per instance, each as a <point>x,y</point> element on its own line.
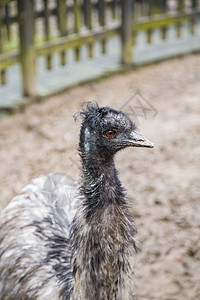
<point>163,184</point>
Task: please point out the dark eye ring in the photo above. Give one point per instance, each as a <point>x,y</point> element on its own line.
<point>110,133</point>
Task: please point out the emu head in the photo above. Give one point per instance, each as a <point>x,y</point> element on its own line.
<point>105,131</point>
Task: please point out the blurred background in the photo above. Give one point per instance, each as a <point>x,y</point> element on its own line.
<point>142,57</point>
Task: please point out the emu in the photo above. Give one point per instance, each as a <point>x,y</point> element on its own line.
<point>63,240</point>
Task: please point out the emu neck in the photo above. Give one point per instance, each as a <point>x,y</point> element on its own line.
<point>103,235</point>
<point>100,182</point>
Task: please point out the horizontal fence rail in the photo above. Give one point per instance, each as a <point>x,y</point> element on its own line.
<point>30,29</point>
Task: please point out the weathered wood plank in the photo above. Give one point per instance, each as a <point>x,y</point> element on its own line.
<point>145,23</point>
<point>47,32</point>
<point>4,2</point>
<point>150,7</point>
<point>77,24</point>
<point>194,3</point>
<point>101,9</point>
<point>180,5</point>
<point>27,55</point>
<point>46,20</point>
<point>88,13</point>
<point>62,17</point>
<point>76,40</point>
<point>149,35</point>
<point>63,59</point>
<point>88,22</point>
<point>178,29</point>
<point>3,76</point>
<point>62,25</point>
<point>77,54</point>
<point>193,19</point>
<point>77,16</point>
<point>114,8</point>
<point>9,59</point>
<point>1,22</point>
<point>163,6</point>
<point>91,50</point>
<point>7,19</point>
<point>150,12</point>
<point>164,32</point>
<point>126,32</point>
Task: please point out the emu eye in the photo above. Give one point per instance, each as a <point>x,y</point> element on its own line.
<point>110,133</point>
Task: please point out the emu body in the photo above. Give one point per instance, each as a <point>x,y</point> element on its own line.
<point>60,240</point>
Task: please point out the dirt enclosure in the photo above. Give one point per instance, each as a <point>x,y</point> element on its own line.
<point>163,184</point>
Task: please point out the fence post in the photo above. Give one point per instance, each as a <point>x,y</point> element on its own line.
<point>126,31</point>
<point>26,14</point>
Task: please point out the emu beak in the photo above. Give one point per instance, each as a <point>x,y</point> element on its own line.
<point>137,140</point>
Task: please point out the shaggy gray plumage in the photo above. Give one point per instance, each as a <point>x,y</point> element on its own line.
<point>60,241</point>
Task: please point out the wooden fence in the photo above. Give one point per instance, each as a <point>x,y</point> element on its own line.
<point>33,28</point>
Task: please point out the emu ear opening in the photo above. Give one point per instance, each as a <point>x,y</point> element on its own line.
<point>138,140</point>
